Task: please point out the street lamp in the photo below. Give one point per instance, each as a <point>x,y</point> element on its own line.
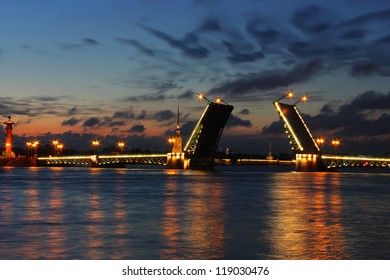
<point>96,144</point>
<point>336,143</point>
<point>320,140</point>
<point>34,145</point>
<point>289,94</point>
<point>219,100</point>
<point>202,96</point>
<point>121,145</point>
<point>55,145</point>
<point>59,148</point>
<point>303,98</point>
<point>28,144</point>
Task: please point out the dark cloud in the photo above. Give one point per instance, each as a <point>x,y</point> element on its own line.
<point>91,122</point>
<point>116,123</point>
<point>383,40</point>
<point>138,128</point>
<point>75,46</point>
<point>90,42</point>
<point>244,112</point>
<point>353,34</point>
<point>239,57</point>
<point>142,115</point>
<point>162,87</point>
<point>164,115</point>
<point>383,16</point>
<point>269,80</point>
<point>70,122</point>
<point>188,45</point>
<point>236,121</point>
<point>72,111</point>
<point>69,46</point>
<point>127,115</point>
<point>187,95</point>
<point>139,46</point>
<point>209,25</point>
<point>367,69</point>
<point>146,98</point>
<point>310,20</point>
<point>261,32</point>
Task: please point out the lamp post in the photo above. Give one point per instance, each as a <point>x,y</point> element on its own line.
<point>121,146</point>
<point>303,98</point>
<point>289,94</point>
<point>96,144</point>
<point>201,96</point>
<point>55,146</point>
<point>219,100</point>
<point>336,143</point>
<point>28,144</point>
<point>34,145</point>
<point>59,148</point>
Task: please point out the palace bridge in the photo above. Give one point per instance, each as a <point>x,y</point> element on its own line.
<point>200,150</point>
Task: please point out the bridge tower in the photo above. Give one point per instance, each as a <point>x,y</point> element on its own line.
<point>176,158</point>
<point>8,141</point>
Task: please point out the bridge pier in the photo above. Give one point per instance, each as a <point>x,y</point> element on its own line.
<point>177,161</point>
<point>309,163</point>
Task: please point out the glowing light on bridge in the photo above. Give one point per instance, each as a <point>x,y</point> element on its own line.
<point>201,96</point>
<point>303,98</point>
<point>336,143</point>
<point>285,120</point>
<point>219,100</point>
<point>121,145</point>
<point>320,140</point>
<point>289,94</point>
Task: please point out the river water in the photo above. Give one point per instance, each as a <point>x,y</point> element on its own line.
<point>229,213</point>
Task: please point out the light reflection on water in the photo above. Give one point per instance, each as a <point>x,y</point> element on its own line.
<point>231,213</point>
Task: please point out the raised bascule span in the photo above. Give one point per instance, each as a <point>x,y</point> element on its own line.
<point>308,156</point>
<point>199,151</point>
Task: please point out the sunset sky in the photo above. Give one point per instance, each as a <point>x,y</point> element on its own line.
<point>79,70</point>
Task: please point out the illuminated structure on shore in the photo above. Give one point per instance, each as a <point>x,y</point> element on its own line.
<point>176,158</point>
<point>8,141</point>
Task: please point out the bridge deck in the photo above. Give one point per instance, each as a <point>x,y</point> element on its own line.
<point>302,140</point>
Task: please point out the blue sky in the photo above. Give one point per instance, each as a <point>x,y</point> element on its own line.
<point>78,70</point>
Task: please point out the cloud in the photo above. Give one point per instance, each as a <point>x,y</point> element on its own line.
<point>74,46</point>
<point>127,115</point>
<point>69,46</point>
<point>244,112</point>
<point>90,42</point>
<point>236,121</point>
<point>209,25</point>
<point>138,128</point>
<point>70,122</point>
<point>239,57</point>
<point>164,115</point>
<point>146,98</point>
<point>382,16</point>
<point>310,20</point>
<point>258,29</point>
<point>138,45</point>
<point>188,45</point>
<point>269,80</point>
<point>91,122</point>
<point>189,94</point>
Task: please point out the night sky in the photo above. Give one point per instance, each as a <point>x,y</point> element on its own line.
<point>80,70</point>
